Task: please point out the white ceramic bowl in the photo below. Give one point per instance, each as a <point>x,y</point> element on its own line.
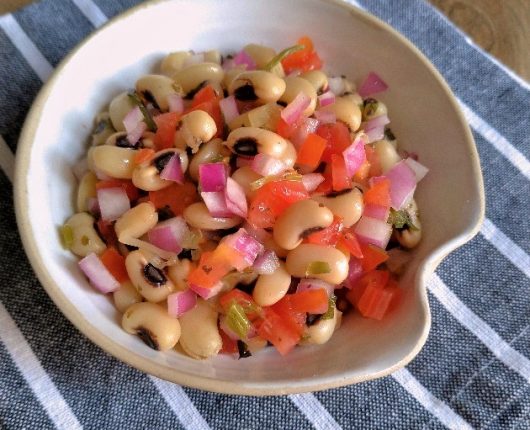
<point>425,118</point>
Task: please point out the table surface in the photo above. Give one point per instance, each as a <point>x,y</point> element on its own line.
<point>501,27</point>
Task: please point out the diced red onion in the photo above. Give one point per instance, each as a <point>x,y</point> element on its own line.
<point>354,155</point>
<point>375,134</point>
<point>306,284</point>
<point>134,125</point>
<point>376,211</point>
<point>80,169</point>
<point>228,64</point>
<point>267,165</point>
<point>294,110</point>
<point>175,103</point>
<point>212,176</point>
<point>245,244</point>
<point>372,84</point>
<point>309,125</point>
<point>207,293</point>
<point>216,203</point>
<point>267,263</point>
<point>93,206</point>
<point>355,272</point>
<point>376,122</point>
<point>98,275</point>
<point>402,184</point>
<point>336,85</point>
<point>311,181</point>
<point>325,117</point>
<point>260,234</point>
<point>419,169</point>
<point>173,170</point>
<point>181,302</point>
<point>327,98</point>
<point>113,203</point>
<point>242,58</point>
<point>101,176</point>
<point>243,161</point>
<point>136,134</point>
<point>235,198</point>
<point>194,59</point>
<point>370,230</point>
<point>229,109</point>
<point>169,234</point>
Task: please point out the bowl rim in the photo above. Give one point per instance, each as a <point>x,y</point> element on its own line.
<point>424,271</point>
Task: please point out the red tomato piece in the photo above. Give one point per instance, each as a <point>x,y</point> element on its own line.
<point>143,155</point>
<point>350,242</point>
<point>310,301</point>
<point>303,60</point>
<point>176,197</point>
<point>128,186</point>
<point>107,232</point>
<point>209,271</point>
<point>373,256</point>
<point>378,194</point>
<point>287,130</point>
<point>328,236</point>
<point>311,151</point>
<point>205,94</point>
<point>229,345</point>
<point>166,128</point>
<point>339,174</point>
<point>275,330</point>
<point>252,310</point>
<point>376,297</point>
<point>337,136</point>
<point>294,319</point>
<point>375,279</point>
<point>115,264</point>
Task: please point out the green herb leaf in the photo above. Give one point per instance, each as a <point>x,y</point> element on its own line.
<point>280,56</point>
<point>237,320</point>
<point>317,268</point>
<point>67,236</point>
<point>147,116</point>
<point>330,313</point>
<point>401,219</point>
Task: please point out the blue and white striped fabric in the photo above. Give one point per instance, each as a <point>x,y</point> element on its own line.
<point>474,371</point>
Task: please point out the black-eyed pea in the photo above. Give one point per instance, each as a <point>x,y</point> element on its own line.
<point>151,323</point>
<point>298,220</point>
<point>146,176</point>
<point>212,56</point>
<point>302,258</point>
<point>320,332</point>
<point>387,154</point>
<point>271,244</point>
<point>289,156</point>
<point>249,141</point>
<point>234,278</point>
<point>346,111</point>
<point>231,75</point>
<point>347,204</point>
<point>126,296</point>
<point>317,78</point>
<point>174,62</point>
<point>209,152</point>
<point>260,54</point>
<point>200,337</point>
<point>85,239</point>
<point>410,237</point>
<point>198,216</point>
<point>257,85</point>
<point>270,289</point>
<point>255,344</point>
<point>155,89</point>
<point>136,221</point>
<point>193,77</point>
<point>119,107</point>
<point>244,176</point>
<point>112,161</point>
<point>195,128</point>
<point>152,283</point>
<point>178,273</point>
<point>295,85</point>
<point>355,98</point>
<point>373,108</point>
<point>103,129</point>
<point>86,190</point>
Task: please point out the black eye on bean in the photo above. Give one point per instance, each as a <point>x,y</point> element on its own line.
<point>148,338</point>
<point>123,142</point>
<point>154,276</point>
<point>247,146</point>
<point>245,93</point>
<point>161,161</point>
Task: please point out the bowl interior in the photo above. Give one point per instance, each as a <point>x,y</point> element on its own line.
<point>423,118</point>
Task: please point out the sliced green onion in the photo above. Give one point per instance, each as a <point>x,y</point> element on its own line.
<point>317,268</point>
<point>330,313</point>
<point>147,116</point>
<point>237,320</point>
<point>287,176</point>
<point>67,236</point>
<point>280,56</point>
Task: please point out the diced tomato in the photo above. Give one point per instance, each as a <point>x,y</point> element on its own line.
<point>361,175</point>
<point>212,108</point>
<point>378,194</point>
<point>350,242</point>
<point>128,186</point>
<point>330,235</point>
<point>303,60</point>
<point>274,329</point>
<point>209,271</point>
<point>339,174</point>
<point>229,345</point>
<point>115,264</point>
<point>176,197</point>
<point>252,310</point>
<point>293,318</point>
<point>377,296</point>
<point>375,279</point>
<point>337,136</point>
<point>143,155</point>
<point>373,159</point>
<point>326,186</point>
<point>372,257</point>
<point>205,94</point>
<point>166,128</point>
<point>311,151</point>
<point>311,301</point>
<point>107,232</point>
<point>287,130</point>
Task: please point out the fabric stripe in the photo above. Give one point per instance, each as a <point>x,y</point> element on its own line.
<point>504,352</point>
<point>27,48</point>
<point>180,404</point>
<point>314,411</point>
<point>499,142</point>
<point>438,408</point>
<point>506,246</point>
<point>91,11</point>
<point>7,160</point>
<point>36,377</point>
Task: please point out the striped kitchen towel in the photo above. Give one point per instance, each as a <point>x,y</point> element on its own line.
<point>474,371</point>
